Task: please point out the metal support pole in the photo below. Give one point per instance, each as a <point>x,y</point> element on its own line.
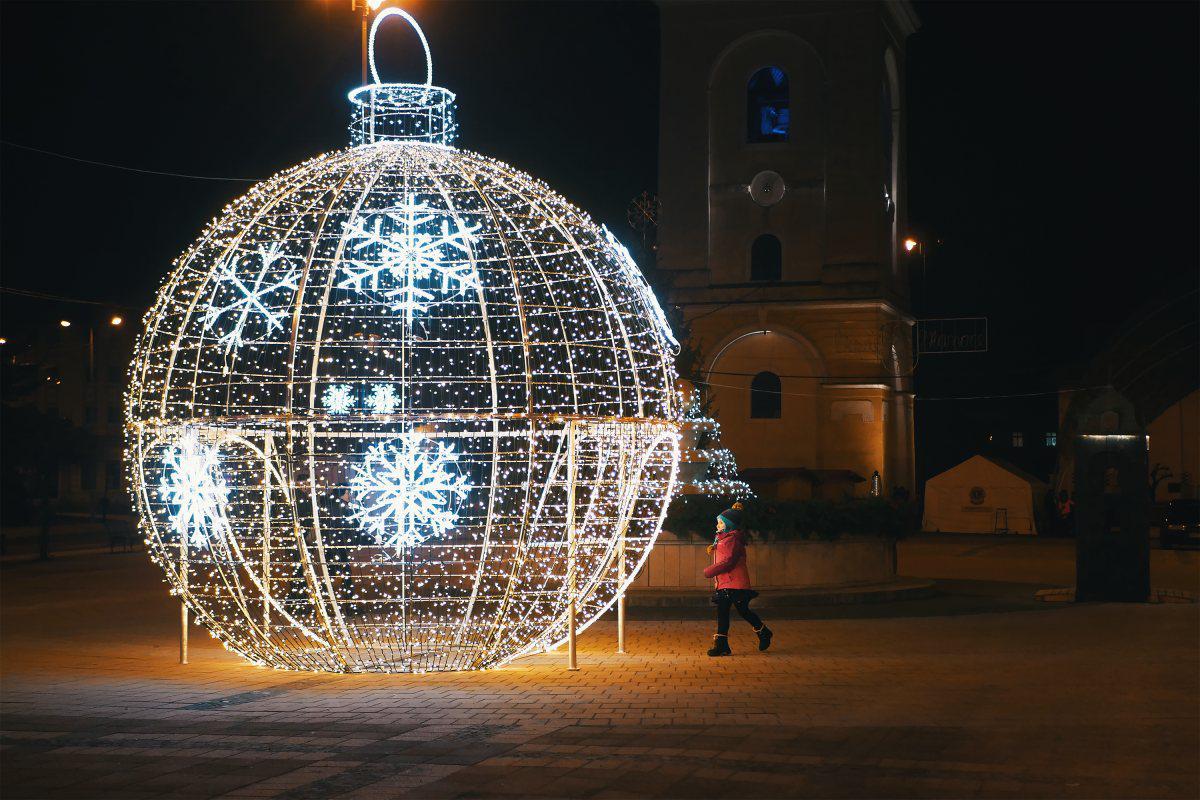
<point>366,15</point>
<point>572,657</point>
<point>621,598</point>
<point>621,623</point>
<point>572,661</point>
<point>183,632</point>
<point>621,563</point>
<point>183,589</point>
<point>266,548</point>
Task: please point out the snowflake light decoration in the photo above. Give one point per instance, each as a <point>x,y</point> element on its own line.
<point>338,399</point>
<point>398,251</point>
<point>251,301</point>
<point>405,491</point>
<point>383,399</point>
<point>195,491</point>
<point>516,447</point>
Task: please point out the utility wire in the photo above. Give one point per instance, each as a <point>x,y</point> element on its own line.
<point>919,397</point>
<point>1018,394</point>
<point>61,299</point>
<point>833,377</point>
<point>723,306</point>
<point>125,168</point>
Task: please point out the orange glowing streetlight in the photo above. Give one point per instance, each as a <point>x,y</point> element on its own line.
<point>65,323</point>
<point>368,7</point>
<point>912,243</point>
<point>116,320</point>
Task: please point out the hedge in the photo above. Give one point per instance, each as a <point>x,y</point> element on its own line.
<point>696,515</point>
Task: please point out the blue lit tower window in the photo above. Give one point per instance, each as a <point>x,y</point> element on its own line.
<point>767,112</point>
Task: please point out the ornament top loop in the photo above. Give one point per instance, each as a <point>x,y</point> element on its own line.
<point>412,112</point>
<point>398,12</point>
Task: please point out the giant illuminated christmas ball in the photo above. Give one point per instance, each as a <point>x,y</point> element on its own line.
<point>399,405</point>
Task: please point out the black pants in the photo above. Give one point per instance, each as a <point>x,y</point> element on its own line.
<point>739,599</point>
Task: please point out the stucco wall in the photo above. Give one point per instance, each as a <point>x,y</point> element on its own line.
<point>1175,443</point>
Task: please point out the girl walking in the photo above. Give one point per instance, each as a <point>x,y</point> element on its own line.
<point>732,581</point>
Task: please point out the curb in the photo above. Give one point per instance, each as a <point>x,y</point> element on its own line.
<point>1067,595</point>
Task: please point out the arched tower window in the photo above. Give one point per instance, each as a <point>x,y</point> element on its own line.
<point>766,259</point>
<point>767,113</point>
<point>766,398</point>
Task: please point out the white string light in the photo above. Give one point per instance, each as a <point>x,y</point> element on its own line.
<point>399,12</point>
<point>353,405</point>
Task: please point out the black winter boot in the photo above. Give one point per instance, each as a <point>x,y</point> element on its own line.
<point>720,646</point>
<point>764,637</point>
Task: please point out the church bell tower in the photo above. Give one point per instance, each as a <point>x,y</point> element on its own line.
<point>782,189</point>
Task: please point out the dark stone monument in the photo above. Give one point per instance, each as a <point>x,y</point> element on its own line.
<point>1112,503</point>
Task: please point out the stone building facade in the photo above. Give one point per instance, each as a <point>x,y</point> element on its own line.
<point>782,219</point>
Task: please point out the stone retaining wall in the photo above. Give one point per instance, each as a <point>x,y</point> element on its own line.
<point>679,564</point>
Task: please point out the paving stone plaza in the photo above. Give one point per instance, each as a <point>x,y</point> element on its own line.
<point>979,691</point>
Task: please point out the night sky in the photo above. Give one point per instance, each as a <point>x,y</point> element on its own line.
<point>566,91</point>
<point>1052,147</point>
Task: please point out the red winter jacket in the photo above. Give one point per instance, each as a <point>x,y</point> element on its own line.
<point>729,561</point>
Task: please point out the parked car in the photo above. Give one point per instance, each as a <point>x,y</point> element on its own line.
<point>1181,524</point>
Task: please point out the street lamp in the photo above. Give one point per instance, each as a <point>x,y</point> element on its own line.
<point>66,323</point>
<point>116,320</point>
<point>911,244</point>
<point>367,7</point>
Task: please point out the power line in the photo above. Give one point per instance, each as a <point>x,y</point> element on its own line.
<point>1019,394</point>
<point>61,299</point>
<point>125,168</point>
<point>834,377</point>
<point>723,306</point>
<point>959,397</point>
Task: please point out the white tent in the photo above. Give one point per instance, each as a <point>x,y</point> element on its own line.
<point>983,495</point>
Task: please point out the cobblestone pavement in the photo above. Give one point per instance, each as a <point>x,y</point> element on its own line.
<point>1010,699</point>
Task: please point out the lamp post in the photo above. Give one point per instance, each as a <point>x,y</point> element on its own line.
<point>911,244</point>
<point>368,7</point>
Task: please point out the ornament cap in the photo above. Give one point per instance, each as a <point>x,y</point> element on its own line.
<point>414,112</point>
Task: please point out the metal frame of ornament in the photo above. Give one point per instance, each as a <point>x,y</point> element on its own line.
<point>322,627</point>
<point>512,466</point>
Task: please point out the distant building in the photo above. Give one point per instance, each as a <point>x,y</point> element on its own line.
<point>1175,449</point>
<point>79,373</point>
<point>782,189</point>
<point>1153,360</point>
<point>1020,431</point>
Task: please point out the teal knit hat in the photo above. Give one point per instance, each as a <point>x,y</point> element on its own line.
<point>732,517</point>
